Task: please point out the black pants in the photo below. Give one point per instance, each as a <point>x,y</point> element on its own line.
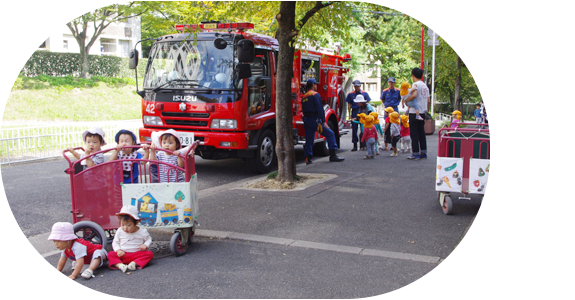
<point>417,134</point>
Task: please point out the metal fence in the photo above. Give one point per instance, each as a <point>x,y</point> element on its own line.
<point>21,143</point>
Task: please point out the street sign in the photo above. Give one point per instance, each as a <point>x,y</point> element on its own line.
<point>430,42</point>
<point>431,33</point>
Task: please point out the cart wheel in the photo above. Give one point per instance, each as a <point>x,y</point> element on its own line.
<point>91,232</point>
<point>176,245</point>
<point>447,205</point>
<point>486,211</point>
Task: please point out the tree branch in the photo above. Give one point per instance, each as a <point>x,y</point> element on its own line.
<point>311,12</point>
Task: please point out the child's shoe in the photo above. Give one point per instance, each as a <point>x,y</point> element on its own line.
<point>372,157</point>
<point>132,266</point>
<point>88,274</point>
<point>419,118</point>
<point>394,154</point>
<point>366,157</point>
<point>123,268</point>
<point>423,156</point>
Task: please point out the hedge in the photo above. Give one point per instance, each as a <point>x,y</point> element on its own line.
<point>58,64</point>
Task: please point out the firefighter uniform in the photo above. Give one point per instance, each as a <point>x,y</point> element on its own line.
<point>314,119</point>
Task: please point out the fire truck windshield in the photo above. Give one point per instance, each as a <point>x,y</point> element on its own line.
<point>185,65</point>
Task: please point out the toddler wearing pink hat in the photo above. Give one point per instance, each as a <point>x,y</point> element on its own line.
<point>131,243</point>
<point>77,249</point>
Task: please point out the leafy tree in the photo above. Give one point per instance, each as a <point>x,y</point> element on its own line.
<point>100,19</point>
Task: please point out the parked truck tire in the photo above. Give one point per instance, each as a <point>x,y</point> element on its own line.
<point>265,158</point>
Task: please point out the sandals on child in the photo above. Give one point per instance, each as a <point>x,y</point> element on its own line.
<point>132,266</point>
<point>88,274</point>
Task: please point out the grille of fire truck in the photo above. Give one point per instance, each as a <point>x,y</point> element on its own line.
<point>187,123</point>
<point>186,115</point>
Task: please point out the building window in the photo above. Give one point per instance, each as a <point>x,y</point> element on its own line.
<point>65,45</point>
<point>108,46</point>
<point>36,40</point>
<point>124,48</point>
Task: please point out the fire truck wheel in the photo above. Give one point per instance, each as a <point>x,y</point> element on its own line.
<point>265,157</point>
<point>322,149</point>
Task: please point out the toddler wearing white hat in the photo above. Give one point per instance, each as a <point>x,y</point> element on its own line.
<point>93,142</point>
<point>77,249</point>
<point>131,243</point>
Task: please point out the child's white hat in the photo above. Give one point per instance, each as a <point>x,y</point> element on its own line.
<point>129,210</point>
<point>62,231</point>
<point>95,130</point>
<point>175,134</point>
<point>359,99</point>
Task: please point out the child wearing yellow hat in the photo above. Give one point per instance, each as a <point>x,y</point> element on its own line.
<point>404,92</point>
<point>455,118</point>
<point>387,136</point>
<point>369,136</point>
<point>394,131</point>
<point>405,137</point>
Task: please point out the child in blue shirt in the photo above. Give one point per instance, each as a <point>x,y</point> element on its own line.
<point>127,138</point>
<point>477,114</point>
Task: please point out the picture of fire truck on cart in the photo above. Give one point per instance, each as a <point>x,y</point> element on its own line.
<point>215,83</point>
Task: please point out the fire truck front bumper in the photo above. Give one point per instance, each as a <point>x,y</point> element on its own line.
<point>213,145</point>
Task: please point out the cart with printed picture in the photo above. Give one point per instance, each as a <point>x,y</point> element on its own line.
<point>99,192</point>
<point>462,163</point>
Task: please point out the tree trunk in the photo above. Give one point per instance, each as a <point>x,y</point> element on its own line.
<point>85,68</point>
<point>284,119</point>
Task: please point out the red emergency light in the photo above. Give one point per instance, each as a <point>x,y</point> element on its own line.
<point>215,26</point>
<point>347,57</point>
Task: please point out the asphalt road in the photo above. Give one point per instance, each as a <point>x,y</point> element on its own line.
<point>339,245</point>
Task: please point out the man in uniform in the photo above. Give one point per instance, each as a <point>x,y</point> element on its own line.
<point>353,109</point>
<point>390,96</point>
<point>314,119</point>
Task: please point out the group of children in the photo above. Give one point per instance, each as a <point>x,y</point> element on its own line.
<point>131,243</point>
<point>127,149</point>
<point>131,247</point>
<point>396,131</point>
<point>396,127</point>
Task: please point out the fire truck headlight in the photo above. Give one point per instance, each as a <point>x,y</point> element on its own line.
<point>152,120</point>
<point>224,124</point>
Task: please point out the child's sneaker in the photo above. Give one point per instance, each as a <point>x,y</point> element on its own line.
<point>419,118</point>
<point>366,157</point>
<point>123,268</point>
<point>87,274</point>
<point>372,157</point>
<point>393,154</point>
<point>423,155</point>
<point>413,157</point>
<point>132,266</point>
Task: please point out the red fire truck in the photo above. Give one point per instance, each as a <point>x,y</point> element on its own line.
<point>215,83</point>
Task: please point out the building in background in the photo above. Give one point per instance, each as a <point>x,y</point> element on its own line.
<point>22,28</point>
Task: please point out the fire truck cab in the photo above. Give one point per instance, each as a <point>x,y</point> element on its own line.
<point>215,83</point>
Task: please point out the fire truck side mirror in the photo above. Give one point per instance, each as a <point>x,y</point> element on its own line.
<point>244,71</point>
<point>246,51</point>
<point>133,62</point>
<point>220,43</point>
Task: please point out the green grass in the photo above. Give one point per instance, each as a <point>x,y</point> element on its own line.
<point>47,98</point>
